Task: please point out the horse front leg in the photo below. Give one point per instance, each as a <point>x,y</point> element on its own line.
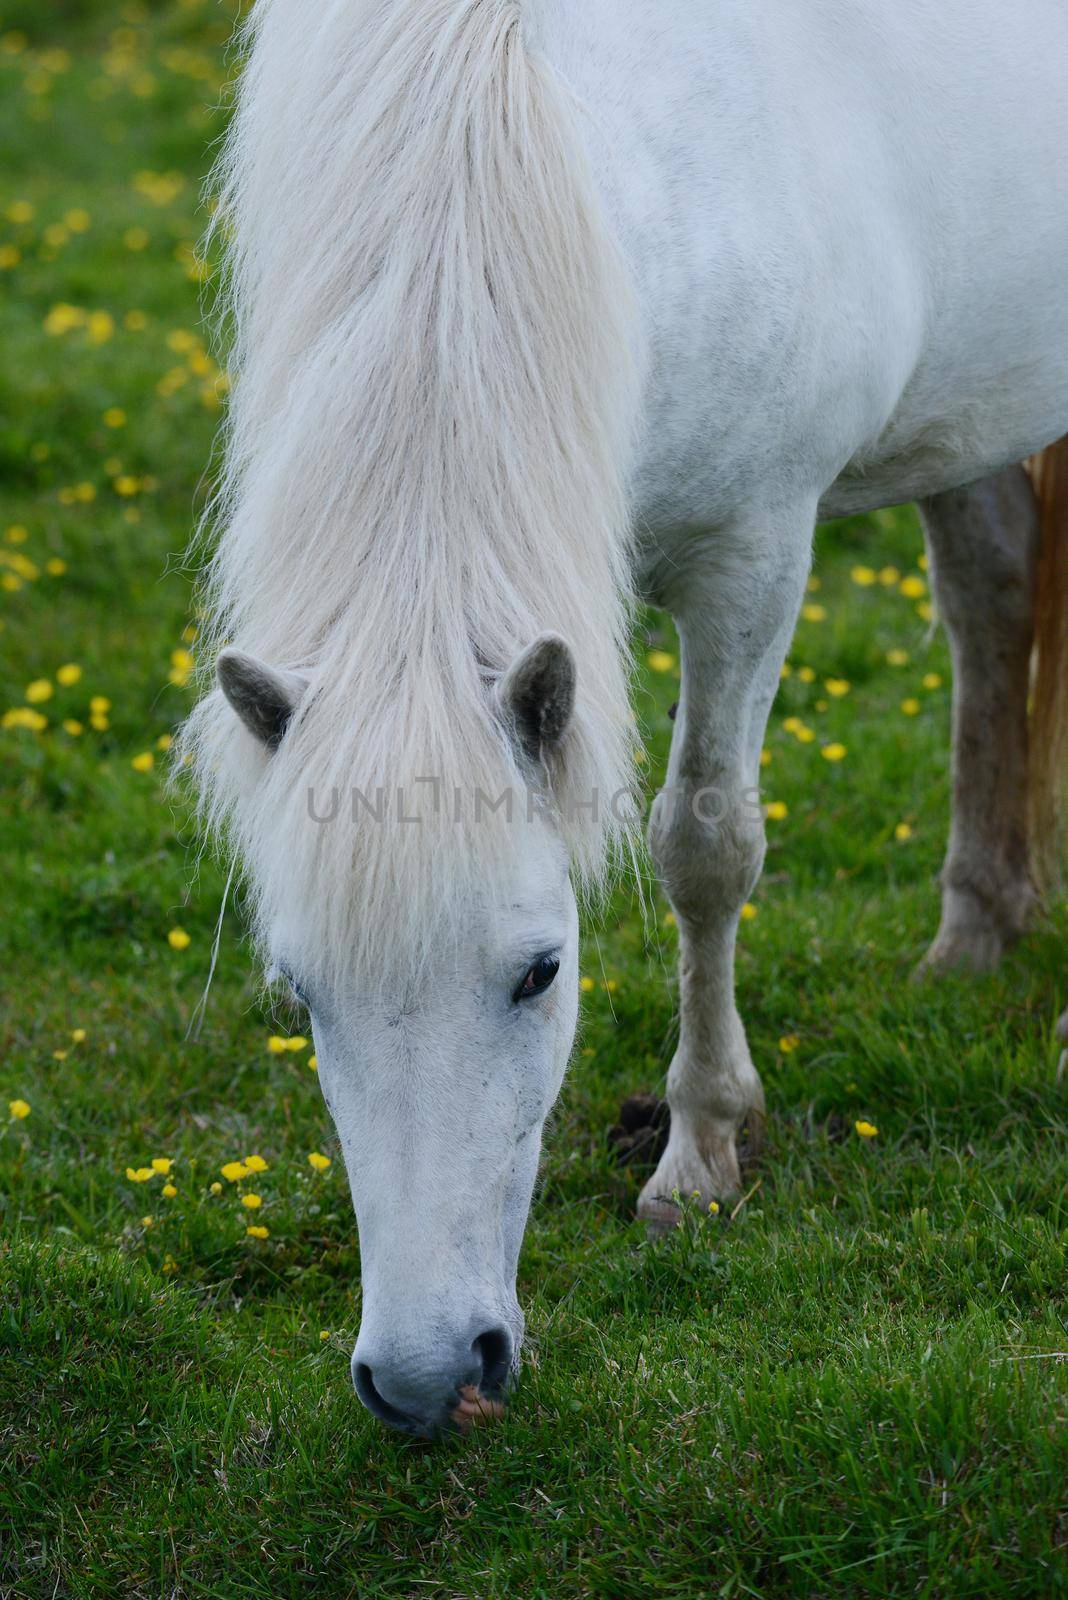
<point>735,599</point>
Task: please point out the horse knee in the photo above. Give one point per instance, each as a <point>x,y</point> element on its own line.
<point>708,849</point>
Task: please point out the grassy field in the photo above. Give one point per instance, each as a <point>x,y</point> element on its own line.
<point>847,1388</point>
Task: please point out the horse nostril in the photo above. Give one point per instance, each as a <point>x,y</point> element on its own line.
<point>494,1349</point>
<point>377,1404</point>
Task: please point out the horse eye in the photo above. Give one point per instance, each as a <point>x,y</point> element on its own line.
<point>538,977</point>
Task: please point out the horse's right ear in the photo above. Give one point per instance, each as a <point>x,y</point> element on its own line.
<point>264,697</point>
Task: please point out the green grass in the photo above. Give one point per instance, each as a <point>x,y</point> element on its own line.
<point>847,1389</point>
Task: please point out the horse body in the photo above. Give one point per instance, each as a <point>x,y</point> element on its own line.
<point>503,267</point>
<point>846,225</point>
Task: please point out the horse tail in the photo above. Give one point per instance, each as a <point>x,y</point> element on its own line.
<point>1048,763</point>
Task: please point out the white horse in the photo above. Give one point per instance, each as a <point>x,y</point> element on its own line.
<point>538,305</point>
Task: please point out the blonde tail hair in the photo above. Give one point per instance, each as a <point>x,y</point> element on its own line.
<point>1048,768</point>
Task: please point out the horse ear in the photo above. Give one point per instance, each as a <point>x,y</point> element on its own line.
<point>536,696</point>
<point>264,697</point>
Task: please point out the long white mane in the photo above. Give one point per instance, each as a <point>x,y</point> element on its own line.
<point>430,423</point>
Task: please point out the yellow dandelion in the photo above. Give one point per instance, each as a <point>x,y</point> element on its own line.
<point>910,706</point>
<point>814,613</point>
<point>889,576</point>
<point>324,1335</point>
<point>713,1208</point>
<point>98,723</point>
<point>912,588</point>
<point>24,717</point>
<point>77,1036</point>
<point>162,1164</point>
<point>234,1171</point>
<point>39,690</point>
<point>319,1162</point>
<point>100,705</point>
<point>789,1043</point>
<point>925,611</point>
<point>276,1044</point>
<point>670,920</point>
<point>55,567</point>
<point>661,660</point>
<point>749,911</point>
<point>256,1230</point>
<point>932,680</point>
<point>114,417</point>
<point>126,485</point>
<point>68,674</point>
<point>775,810</point>
<point>863,576</point>
<point>60,1055</point>
<point>837,687</point>
<point>902,832</point>
<point>135,239</point>
<point>168,1191</point>
<point>215,1188</point>
<point>78,220</point>
<point>765,758</point>
<point>19,1109</point>
<point>867,1130</point>
<point>297,1042</point>
<point>833,752</point>
<point>16,534</point>
<point>164,741</point>
<point>313,1063</point>
<point>804,735</point>
<point>178,939</point>
<point>786,670</point>
<point>586,984</point>
<point>897,658</point>
<point>806,674</point>
<point>252,1201</point>
<point>146,1222</point>
<point>255,1164</point>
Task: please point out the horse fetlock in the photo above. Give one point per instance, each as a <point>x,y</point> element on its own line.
<point>978,924</point>
<point>701,1165</point>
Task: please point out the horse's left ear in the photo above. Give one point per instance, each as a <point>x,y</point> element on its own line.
<point>264,697</point>
<point>536,696</point>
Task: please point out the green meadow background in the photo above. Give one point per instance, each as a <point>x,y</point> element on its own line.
<point>852,1384</point>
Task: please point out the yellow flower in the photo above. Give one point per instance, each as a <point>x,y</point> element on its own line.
<point>804,735</point>
<point>168,1191</point>
<point>931,680</point>
<point>255,1164</point>
<point>765,758</point>
<point>660,660</point>
<point>135,321</point>
<point>586,984</point>
<point>139,1174</point>
<point>16,534</point>
<point>912,588</point>
<point>40,689</point>
<point>897,658</point>
<point>276,1045</point>
<point>297,1043</point>
<point>837,687</point>
<point>864,576</point>
<point>257,1231</point>
<point>806,674</point>
<point>55,567</point>
<point>888,577</point>
<point>146,1222</point>
<point>786,670</point>
<point>77,220</point>
<point>114,417</point>
<point>324,1335</point>
<point>178,939</point>
<point>814,613</point>
<point>183,659</point>
<point>99,326</point>
<point>253,1201</point>
<point>813,584</point>
<point>320,1163</point>
<point>903,831</point>
<point>867,1130</point>
<point>670,920</point>
<point>775,810</point>
<point>924,611</point>
<point>910,706</point>
<point>24,717</point>
<point>234,1171</point>
<point>68,674</point>
<point>144,762</point>
<point>611,985</point>
<point>19,1109</point>
<point>215,1188</point>
<point>62,318</point>
<point>77,1035</point>
<point>788,1043</point>
<point>60,1055</point>
<point>713,1208</point>
<point>164,741</point>
<point>162,1164</point>
<point>99,723</point>
<point>126,485</point>
<point>749,911</point>
<point>833,752</point>
<point>100,705</point>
